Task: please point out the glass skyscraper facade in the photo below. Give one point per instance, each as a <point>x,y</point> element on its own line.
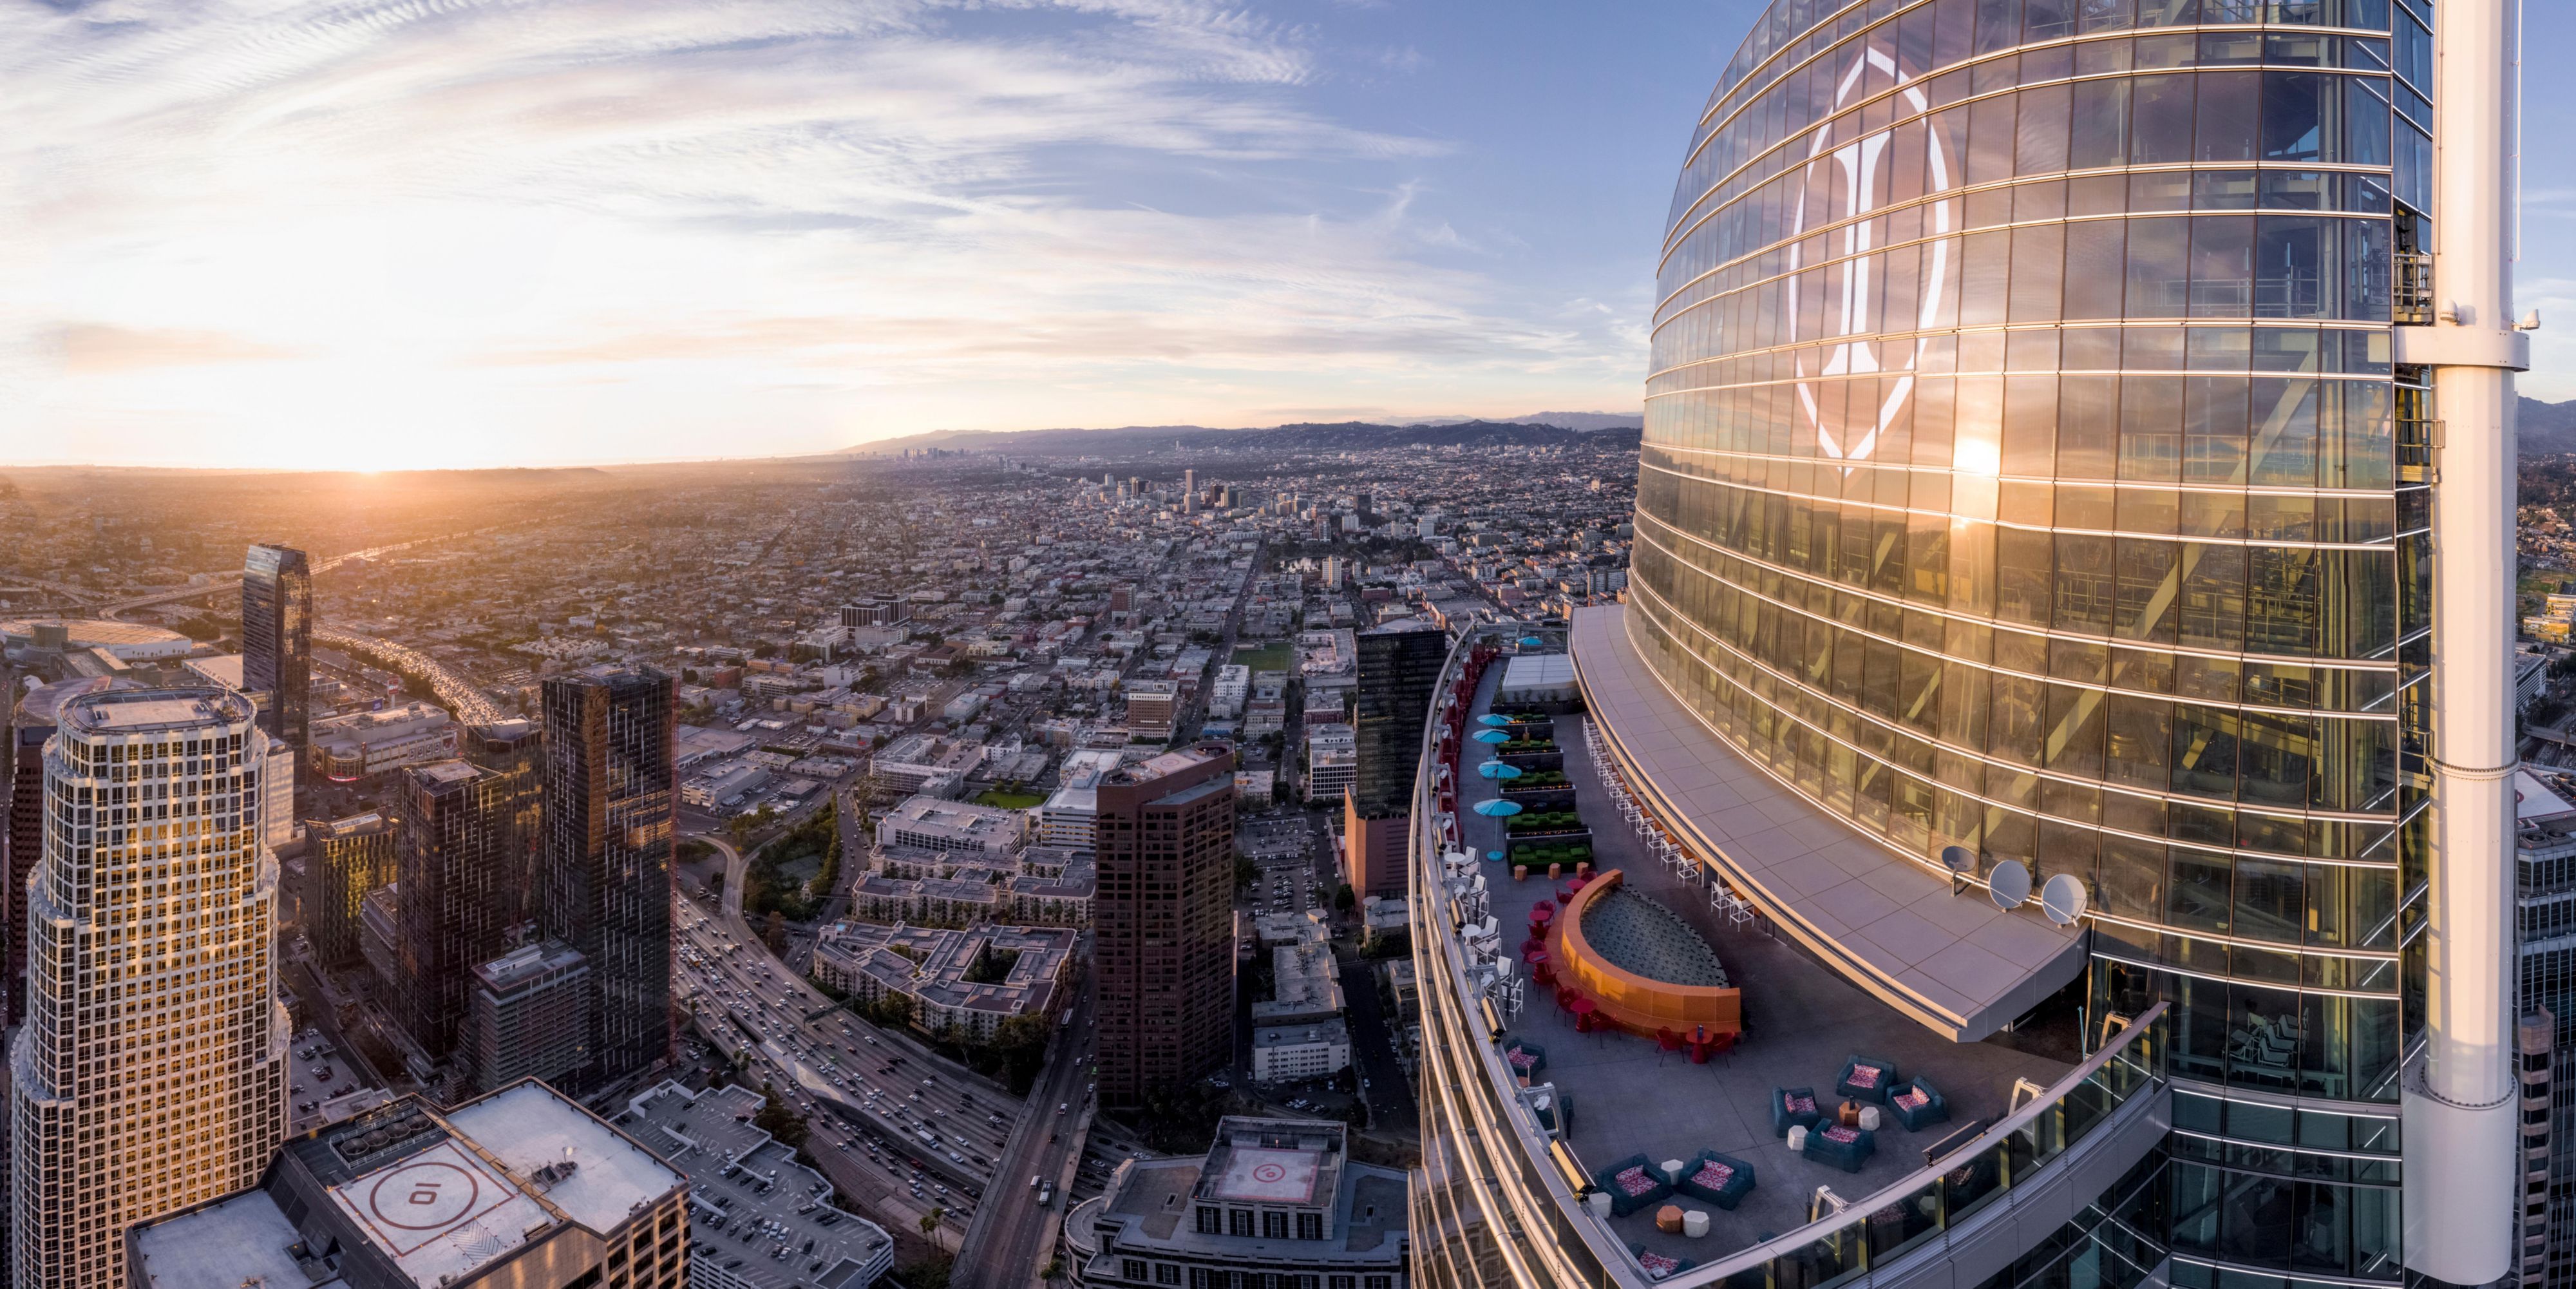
<point>611,808</point>
<point>2040,459</point>
<point>2026,468</point>
<point>277,641</point>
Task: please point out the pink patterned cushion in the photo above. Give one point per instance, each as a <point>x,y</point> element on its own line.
<point>1841,1136</point>
<point>1865,1076</point>
<point>1657,1265</point>
<point>1712,1175</point>
<point>1521,1058</point>
<point>1801,1104</point>
<point>1913,1099</point>
<point>1635,1181</point>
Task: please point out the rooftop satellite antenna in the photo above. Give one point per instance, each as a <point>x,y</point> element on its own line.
<point>1960,861</point>
<point>2009,884</point>
<point>2062,898</point>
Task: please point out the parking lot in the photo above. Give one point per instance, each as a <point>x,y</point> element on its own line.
<point>1280,848</point>
<point>322,1085</point>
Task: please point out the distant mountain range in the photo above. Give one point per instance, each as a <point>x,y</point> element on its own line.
<point>1135,440</point>
<point>2545,427</point>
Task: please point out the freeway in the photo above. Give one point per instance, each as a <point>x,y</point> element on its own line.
<point>864,1112</point>
<point>230,579</point>
<point>466,703</point>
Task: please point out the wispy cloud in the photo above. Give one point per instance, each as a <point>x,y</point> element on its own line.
<point>594,228</point>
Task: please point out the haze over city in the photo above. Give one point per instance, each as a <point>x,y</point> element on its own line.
<point>1316,644</point>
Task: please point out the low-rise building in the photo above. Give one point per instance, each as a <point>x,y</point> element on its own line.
<point>930,824</point>
<point>1304,986</point>
<point>1332,761</point>
<point>971,979</point>
<point>1279,1201</point>
<point>1151,708</point>
<point>1284,1052</point>
<point>767,1219</point>
<point>517,1189</point>
<point>528,1016</point>
<point>347,748</point>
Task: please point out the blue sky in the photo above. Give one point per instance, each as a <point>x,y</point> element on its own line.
<point>385,233</point>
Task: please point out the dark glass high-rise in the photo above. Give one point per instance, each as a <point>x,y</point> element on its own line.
<point>277,640</point>
<point>610,801</point>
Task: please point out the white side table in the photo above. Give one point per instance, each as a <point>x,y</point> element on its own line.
<point>1797,1139</point>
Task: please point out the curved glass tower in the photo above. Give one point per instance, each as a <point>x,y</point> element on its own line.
<point>2040,458</point>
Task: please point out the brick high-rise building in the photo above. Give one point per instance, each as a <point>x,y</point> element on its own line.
<point>1163,961</point>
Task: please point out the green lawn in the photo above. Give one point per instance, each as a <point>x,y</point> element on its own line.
<point>1272,657</point>
<point>1009,800</point>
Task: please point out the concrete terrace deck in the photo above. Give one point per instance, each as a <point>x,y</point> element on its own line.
<point>1957,964</point>
<point>1801,1023</point>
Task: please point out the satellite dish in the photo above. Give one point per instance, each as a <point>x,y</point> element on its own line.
<point>2062,899</point>
<point>2009,884</point>
<point>1958,859</point>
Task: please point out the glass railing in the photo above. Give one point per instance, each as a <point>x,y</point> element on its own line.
<point>1875,1232</point>
<point>1518,1218</point>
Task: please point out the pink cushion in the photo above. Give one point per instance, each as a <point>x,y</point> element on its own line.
<point>1712,1175</point>
<point>1520,1057</point>
<point>1913,1099</point>
<point>1801,1104</point>
<point>1657,1265</point>
<point>1841,1136</point>
<point>1635,1181</point>
<point>1865,1076</point>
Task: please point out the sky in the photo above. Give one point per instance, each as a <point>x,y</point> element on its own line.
<point>453,233</point>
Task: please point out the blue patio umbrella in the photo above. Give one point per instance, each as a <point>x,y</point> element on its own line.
<point>1498,770</point>
<point>1496,809</point>
<point>1493,720</point>
<point>1527,641</point>
<point>1492,736</point>
<point>1493,854</point>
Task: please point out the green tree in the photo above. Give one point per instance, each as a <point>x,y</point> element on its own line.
<point>1344,898</point>
<point>774,932</point>
<point>777,1120</point>
<point>930,1223</point>
<point>1245,873</point>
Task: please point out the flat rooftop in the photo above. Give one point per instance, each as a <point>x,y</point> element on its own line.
<point>1802,1022</point>
<point>709,1137</point>
<point>152,711</point>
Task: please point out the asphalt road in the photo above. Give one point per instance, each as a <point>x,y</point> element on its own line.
<point>1389,1094</point>
<point>1008,1243</point>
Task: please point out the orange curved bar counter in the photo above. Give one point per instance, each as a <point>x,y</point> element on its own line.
<point>1628,1000</point>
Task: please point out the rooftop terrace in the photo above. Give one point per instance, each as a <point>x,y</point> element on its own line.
<point>1626,1094</point>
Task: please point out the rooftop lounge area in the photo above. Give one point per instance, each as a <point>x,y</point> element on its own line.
<point>1701,1084</point>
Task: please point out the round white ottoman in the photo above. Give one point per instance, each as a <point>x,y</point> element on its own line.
<point>1869,1118</point>
<point>1694,1224</point>
<point>1797,1139</point>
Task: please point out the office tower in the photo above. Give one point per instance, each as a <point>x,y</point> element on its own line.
<point>151,1071</point>
<point>350,857</point>
<point>1399,666</point>
<point>456,882</point>
<point>611,800</point>
<point>25,841</point>
<point>518,1189</point>
<point>2039,460</point>
<point>277,640</point>
<point>1163,917</point>
<point>277,787</point>
<point>1332,572</point>
<point>529,1016</point>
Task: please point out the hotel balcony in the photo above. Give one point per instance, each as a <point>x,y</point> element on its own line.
<point>1723,945</point>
